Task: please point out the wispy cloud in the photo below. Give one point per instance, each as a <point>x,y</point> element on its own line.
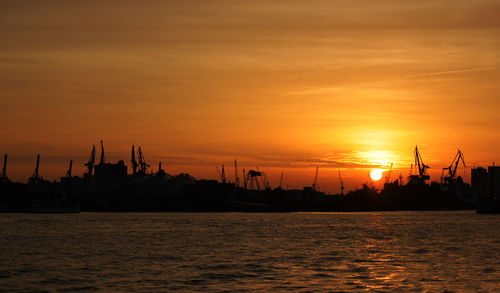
<point>449,72</point>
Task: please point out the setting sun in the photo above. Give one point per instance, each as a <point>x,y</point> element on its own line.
<point>376,174</point>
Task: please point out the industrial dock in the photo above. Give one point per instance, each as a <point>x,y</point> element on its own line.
<point>107,186</point>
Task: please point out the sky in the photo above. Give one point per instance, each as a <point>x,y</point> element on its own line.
<point>284,85</point>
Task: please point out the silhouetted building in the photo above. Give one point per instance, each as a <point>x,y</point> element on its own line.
<point>479,182</point>
<point>494,181</point>
<point>108,170</point>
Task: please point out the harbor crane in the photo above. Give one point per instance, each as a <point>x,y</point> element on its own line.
<point>422,169</point>
<point>102,154</point>
<point>222,174</point>
<point>452,169</point>
<point>142,162</point>
<point>244,179</point>
<point>252,177</point>
<point>35,178</point>
<point>281,181</point>
<point>236,177</point>
<point>314,185</point>
<point>161,172</point>
<point>263,178</point>
<point>90,163</point>
<point>3,175</point>
<point>134,162</point>
<point>341,184</point>
<point>68,173</point>
<point>266,182</point>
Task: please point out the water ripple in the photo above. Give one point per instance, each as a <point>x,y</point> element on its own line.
<point>238,252</point>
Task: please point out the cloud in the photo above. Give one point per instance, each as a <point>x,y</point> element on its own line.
<point>263,81</point>
<point>450,72</point>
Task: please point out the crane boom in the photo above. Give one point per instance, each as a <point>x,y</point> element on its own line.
<point>251,176</point>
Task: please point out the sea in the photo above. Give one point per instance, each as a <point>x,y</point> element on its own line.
<point>436,251</point>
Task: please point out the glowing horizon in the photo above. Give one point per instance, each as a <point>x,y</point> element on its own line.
<point>298,174</point>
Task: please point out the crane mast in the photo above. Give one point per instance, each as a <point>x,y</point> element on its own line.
<point>134,161</point>
<point>35,173</point>
<point>102,154</point>
<point>3,175</point>
<point>68,173</point>
<point>236,178</point>
<point>161,172</point>
<point>281,181</point>
<point>244,179</point>
<point>341,184</point>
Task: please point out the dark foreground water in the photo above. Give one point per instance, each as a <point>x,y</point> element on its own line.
<point>379,251</point>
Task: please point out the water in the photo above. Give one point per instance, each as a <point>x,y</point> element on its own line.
<point>374,252</point>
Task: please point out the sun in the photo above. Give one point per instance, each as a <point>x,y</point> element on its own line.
<point>376,174</point>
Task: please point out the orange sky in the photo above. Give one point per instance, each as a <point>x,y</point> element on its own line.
<point>284,85</point>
